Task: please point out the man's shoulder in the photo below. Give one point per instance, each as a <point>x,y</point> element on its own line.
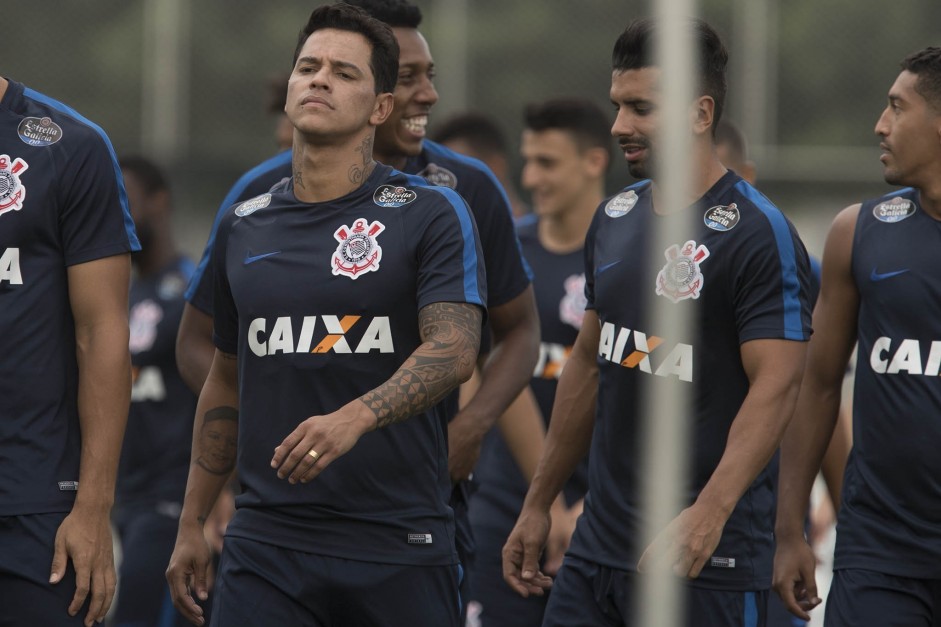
<point>444,167</point>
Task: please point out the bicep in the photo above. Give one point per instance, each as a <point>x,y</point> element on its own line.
<point>834,320</point>
<point>774,362</point>
<point>451,324</point>
<point>98,290</point>
<point>518,311</point>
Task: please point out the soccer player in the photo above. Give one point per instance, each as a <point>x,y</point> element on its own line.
<point>154,458</point>
<point>65,373</point>
<point>513,323</point>
<point>745,283</point>
<point>346,307</point>
<point>880,290</point>
<point>479,136</point>
<point>566,148</point>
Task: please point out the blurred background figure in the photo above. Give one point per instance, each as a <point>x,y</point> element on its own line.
<point>277,98</point>
<point>566,149</point>
<point>478,135</point>
<point>156,453</point>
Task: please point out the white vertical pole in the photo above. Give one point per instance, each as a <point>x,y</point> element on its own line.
<point>448,26</point>
<point>165,119</point>
<point>660,599</point>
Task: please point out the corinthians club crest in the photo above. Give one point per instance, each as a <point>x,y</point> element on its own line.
<point>12,192</point>
<point>681,278</point>
<point>358,252</point>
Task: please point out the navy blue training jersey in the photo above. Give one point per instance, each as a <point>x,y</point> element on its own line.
<point>559,287</point>
<point>890,519</point>
<point>439,166</point>
<point>155,457</point>
<point>745,275</point>
<point>62,203</point>
<point>321,302</point>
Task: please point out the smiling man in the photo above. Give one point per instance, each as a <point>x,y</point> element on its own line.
<point>741,271</point>
<point>880,291</point>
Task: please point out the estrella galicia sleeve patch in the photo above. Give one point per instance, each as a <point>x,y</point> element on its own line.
<point>621,204</point>
<point>894,210</point>
<point>393,196</point>
<point>436,175</point>
<point>722,217</point>
<point>39,131</point>
<point>249,207</point>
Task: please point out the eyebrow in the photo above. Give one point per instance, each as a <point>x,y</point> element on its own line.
<point>346,65</point>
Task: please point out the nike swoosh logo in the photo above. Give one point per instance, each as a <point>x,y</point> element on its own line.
<point>875,276</point>
<point>606,266</point>
<point>249,258</point>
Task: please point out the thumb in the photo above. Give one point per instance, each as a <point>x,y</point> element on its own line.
<point>59,560</point>
<point>530,559</point>
<point>810,585</point>
<point>200,577</point>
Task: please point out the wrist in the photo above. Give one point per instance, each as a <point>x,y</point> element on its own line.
<point>364,417</point>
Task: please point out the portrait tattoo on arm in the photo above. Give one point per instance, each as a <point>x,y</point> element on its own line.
<point>218,441</point>
<point>359,173</point>
<point>451,340</point>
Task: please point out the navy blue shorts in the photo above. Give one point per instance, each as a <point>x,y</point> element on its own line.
<point>464,538</point>
<point>26,596</point>
<point>143,600</point>
<point>864,598</point>
<point>586,594</point>
<point>260,585</point>
<point>494,601</point>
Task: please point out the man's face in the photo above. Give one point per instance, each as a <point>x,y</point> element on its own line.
<point>555,171</point>
<point>331,91</point>
<point>401,135</point>
<point>636,95</point>
<point>908,129</point>
<point>142,209</point>
<point>218,442</point>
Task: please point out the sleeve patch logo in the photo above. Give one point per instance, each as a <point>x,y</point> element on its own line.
<point>249,207</point>
<point>572,306</point>
<point>621,204</point>
<point>358,252</point>
<point>722,218</point>
<point>392,196</point>
<point>892,211</point>
<point>12,192</point>
<point>39,131</point>
<point>436,175</point>
<point>681,278</point>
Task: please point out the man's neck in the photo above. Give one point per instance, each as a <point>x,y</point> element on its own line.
<point>323,173</point>
<point>565,231</point>
<point>395,160</point>
<point>4,83</point>
<point>157,256</point>
<point>706,172</point>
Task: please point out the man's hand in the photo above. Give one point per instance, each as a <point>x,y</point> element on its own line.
<point>687,543</point>
<point>464,443</point>
<point>85,537</point>
<point>794,580</point>
<point>321,439</point>
<point>188,572</point>
<point>521,554</point>
<point>560,534</point>
<point>222,512</point>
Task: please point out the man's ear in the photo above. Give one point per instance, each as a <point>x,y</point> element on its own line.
<point>702,113</point>
<point>382,110</point>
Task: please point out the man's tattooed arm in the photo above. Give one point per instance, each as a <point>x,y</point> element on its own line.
<point>217,444</point>
<point>451,339</point>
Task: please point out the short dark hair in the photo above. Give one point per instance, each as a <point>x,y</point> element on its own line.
<point>277,92</point>
<point>584,119</point>
<point>384,61</point>
<point>729,134</point>
<point>479,130</point>
<point>634,50</point>
<point>395,13</point>
<point>926,65</point>
<point>150,176</point>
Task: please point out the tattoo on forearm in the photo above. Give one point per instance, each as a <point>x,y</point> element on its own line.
<point>359,172</point>
<point>451,334</point>
<point>217,443</point>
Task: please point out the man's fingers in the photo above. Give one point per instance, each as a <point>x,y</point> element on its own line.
<point>182,600</point>
<point>96,601</point>
<point>82,585</point>
<point>110,586</point>
<point>283,450</point>
<point>59,560</point>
